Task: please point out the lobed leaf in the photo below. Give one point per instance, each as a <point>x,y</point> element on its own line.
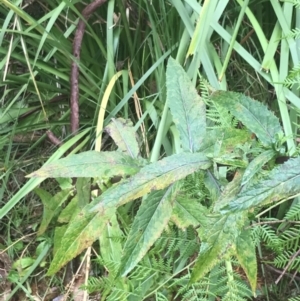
<point>187,107</point>
<point>155,176</point>
<point>90,164</point>
<point>88,225</point>
<point>253,114</point>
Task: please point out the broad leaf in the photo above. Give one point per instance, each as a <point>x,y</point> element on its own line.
<point>218,240</point>
<point>187,212</point>
<point>187,107</point>
<point>88,225</point>
<point>82,231</point>
<point>256,164</point>
<point>282,182</point>
<point>150,221</point>
<point>155,176</point>
<point>253,114</point>
<point>52,206</point>
<point>245,253</point>
<point>227,139</point>
<point>90,164</point>
<point>124,135</point>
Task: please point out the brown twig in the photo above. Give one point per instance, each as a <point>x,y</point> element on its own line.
<point>74,79</point>
<point>53,138</point>
<point>287,266</point>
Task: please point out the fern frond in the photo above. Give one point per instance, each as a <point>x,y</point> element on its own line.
<point>268,235</point>
<point>293,214</point>
<point>160,297</point>
<point>293,77</point>
<point>287,257</point>
<point>293,34</point>
<point>294,298</point>
<point>291,238</point>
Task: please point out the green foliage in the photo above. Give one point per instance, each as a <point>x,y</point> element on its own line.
<point>222,150</point>
<point>219,211</point>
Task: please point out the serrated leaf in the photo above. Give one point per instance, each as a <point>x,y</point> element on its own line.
<point>230,191</point>
<point>155,176</point>
<point>187,107</point>
<point>52,206</point>
<point>283,181</point>
<point>218,240</point>
<point>245,253</point>
<point>124,135</point>
<point>90,164</point>
<point>227,139</point>
<point>253,114</point>
<point>150,221</point>
<point>188,212</point>
<point>82,231</point>
<point>256,164</point>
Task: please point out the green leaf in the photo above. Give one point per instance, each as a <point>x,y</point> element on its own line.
<point>227,160</point>
<point>83,188</point>
<point>110,242</point>
<point>82,231</point>
<point>230,191</point>
<point>58,236</point>
<point>188,212</point>
<point>282,182</point>
<point>227,139</point>
<point>90,164</point>
<point>218,239</point>
<point>69,211</point>
<point>155,176</point>
<point>52,206</point>
<point>124,135</point>
<point>245,253</point>
<point>213,185</point>
<point>150,221</point>
<point>11,114</point>
<point>187,107</point>
<point>88,225</point>
<point>253,114</point>
<point>256,164</point>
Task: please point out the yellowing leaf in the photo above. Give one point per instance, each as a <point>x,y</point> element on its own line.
<point>90,164</point>
<point>245,253</point>
<point>155,176</point>
<point>124,135</point>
